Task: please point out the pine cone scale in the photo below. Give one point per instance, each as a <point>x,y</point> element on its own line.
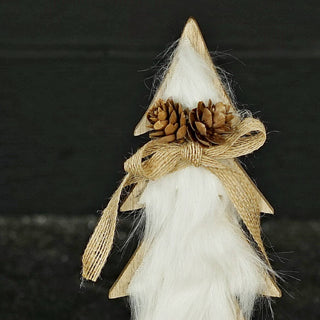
<point>158,133</point>
<point>192,119</point>
<point>162,115</point>
<point>201,127</point>
<point>171,128</point>
<point>207,118</point>
<point>218,120</point>
<point>168,139</point>
<point>160,124</point>
<point>183,119</point>
<point>173,117</point>
<point>181,133</point>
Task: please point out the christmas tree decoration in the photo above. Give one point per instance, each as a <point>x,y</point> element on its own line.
<point>201,254</point>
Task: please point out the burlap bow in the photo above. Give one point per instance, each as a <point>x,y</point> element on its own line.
<point>155,160</point>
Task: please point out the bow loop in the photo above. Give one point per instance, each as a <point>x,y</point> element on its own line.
<point>248,136</point>
<point>134,165</point>
<point>156,159</point>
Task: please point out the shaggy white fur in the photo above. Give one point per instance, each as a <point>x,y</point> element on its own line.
<point>191,80</point>
<point>199,261</point>
<point>199,264</point>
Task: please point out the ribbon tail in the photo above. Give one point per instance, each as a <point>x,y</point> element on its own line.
<point>100,243</point>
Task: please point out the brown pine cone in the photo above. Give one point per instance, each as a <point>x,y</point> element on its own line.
<point>209,124</point>
<point>168,121</point>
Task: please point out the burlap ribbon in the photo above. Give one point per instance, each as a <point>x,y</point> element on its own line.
<point>155,160</point>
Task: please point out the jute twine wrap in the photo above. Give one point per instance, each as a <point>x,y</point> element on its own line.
<point>155,160</point>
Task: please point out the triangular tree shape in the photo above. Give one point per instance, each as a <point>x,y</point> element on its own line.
<point>193,36</point>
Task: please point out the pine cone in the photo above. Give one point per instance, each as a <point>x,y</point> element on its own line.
<point>168,121</point>
<point>209,124</point>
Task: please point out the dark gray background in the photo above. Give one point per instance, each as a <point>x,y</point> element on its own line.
<point>75,80</point>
